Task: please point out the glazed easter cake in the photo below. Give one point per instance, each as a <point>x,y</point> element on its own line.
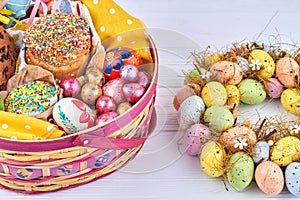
<point>77,102</point>
<point>218,93</point>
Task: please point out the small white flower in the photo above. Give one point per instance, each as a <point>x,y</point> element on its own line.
<point>240,143</point>
<point>255,65</point>
<point>295,129</point>
<point>206,75</point>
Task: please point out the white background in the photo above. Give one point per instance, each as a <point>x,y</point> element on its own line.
<point>160,171</point>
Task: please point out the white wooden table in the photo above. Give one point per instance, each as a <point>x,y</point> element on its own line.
<point>161,171</point>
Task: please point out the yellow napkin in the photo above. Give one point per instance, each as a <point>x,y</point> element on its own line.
<point>110,20</point>
<point>22,127</point>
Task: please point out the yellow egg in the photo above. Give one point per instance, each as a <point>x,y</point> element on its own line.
<point>214,94</point>
<point>212,59</point>
<point>212,159</point>
<point>268,66</point>
<point>290,100</point>
<point>285,151</point>
<point>233,96</point>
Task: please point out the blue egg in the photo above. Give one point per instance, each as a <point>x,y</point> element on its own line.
<point>292,178</point>
<point>261,151</point>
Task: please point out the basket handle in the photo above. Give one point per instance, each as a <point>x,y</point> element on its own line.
<point>102,142</point>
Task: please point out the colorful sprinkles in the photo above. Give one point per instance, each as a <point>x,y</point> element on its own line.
<point>31,98</point>
<point>57,38</point>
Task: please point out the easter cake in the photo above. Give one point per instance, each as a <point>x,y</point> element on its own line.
<point>211,104</point>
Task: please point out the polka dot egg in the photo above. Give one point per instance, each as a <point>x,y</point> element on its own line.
<point>292,178</point>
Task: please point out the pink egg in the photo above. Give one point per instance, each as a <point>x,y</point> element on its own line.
<point>273,87</point>
<point>287,71</point>
<point>194,138</point>
<point>144,79</point>
<point>269,177</point>
<point>113,88</point>
<point>133,92</point>
<point>129,73</point>
<point>71,87</point>
<point>105,104</point>
<point>106,117</point>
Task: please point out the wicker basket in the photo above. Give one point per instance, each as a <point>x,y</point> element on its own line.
<point>50,165</point>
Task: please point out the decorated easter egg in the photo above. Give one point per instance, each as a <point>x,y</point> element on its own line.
<point>190,111</point>
<point>129,73</point>
<point>212,159</point>
<point>273,87</point>
<point>251,91</point>
<point>73,115</point>
<point>90,92</point>
<point>264,61</point>
<point>144,79</point>
<point>227,72</point>
<point>194,138</point>
<point>113,88</point>
<point>240,170</point>
<point>288,72</point>
<point>214,94</point>
<point>105,117</point>
<point>116,58</point>
<point>185,92</point>
<point>193,76</point>
<point>237,138</point>
<point>219,118</point>
<point>261,151</point>
<point>285,151</point>
<point>233,96</point>
<point>94,75</point>
<point>212,59</point>
<point>31,98</point>
<point>1,103</point>
<point>290,100</point>
<point>123,107</point>
<point>133,92</point>
<point>269,177</point>
<point>292,178</point>
<point>105,104</point>
<point>243,63</point>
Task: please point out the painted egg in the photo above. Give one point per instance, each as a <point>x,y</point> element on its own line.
<point>94,75</point>
<point>243,63</point>
<point>105,117</point>
<point>267,68</point>
<point>193,76</point>
<point>129,73</point>
<point>285,151</point>
<point>288,72</point>
<point>261,151</point>
<point>273,87</point>
<point>185,92</point>
<point>292,178</point>
<point>212,159</point>
<point>214,94</point>
<point>123,107</point>
<point>194,138</point>
<point>269,177</point>
<point>212,59</point>
<point>240,170</point>
<point>90,92</point>
<point>219,118</point>
<point>144,79</point>
<point>237,138</point>
<point>233,96</point>
<point>190,111</point>
<point>113,88</point>
<point>133,92</point>
<point>290,100</point>
<point>227,72</point>
<point>116,58</point>
<point>73,115</point>
<point>252,91</point>
<point>1,103</point>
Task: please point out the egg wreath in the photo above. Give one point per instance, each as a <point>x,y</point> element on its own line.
<point>267,150</point>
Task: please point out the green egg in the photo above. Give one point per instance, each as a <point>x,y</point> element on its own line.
<point>1,103</point>
<point>193,76</point>
<point>214,94</point>
<point>252,91</point>
<point>219,118</point>
<point>240,170</point>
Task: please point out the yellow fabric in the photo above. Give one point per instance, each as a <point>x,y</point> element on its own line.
<point>110,20</point>
<point>22,127</point>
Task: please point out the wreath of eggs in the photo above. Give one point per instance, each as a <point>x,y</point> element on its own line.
<point>267,151</point>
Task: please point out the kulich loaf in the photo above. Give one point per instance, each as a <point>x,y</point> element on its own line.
<point>60,43</point>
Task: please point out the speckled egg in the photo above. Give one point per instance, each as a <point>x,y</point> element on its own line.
<point>212,59</point>
<point>261,151</point>
<point>290,100</point>
<point>212,159</point>
<point>219,118</point>
<point>214,94</point>
<point>243,63</point>
<point>227,72</point>
<point>273,87</point>
<point>288,72</point>
<point>285,151</point>
<point>237,138</point>
<point>267,63</point>
<point>193,76</point>
<point>252,91</point>
<point>73,115</point>
<point>292,178</point>
<point>190,111</point>
<point>185,92</point>
<point>113,88</point>
<point>269,177</point>
<point>194,138</point>
<point>233,96</point>
<point>240,170</point>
